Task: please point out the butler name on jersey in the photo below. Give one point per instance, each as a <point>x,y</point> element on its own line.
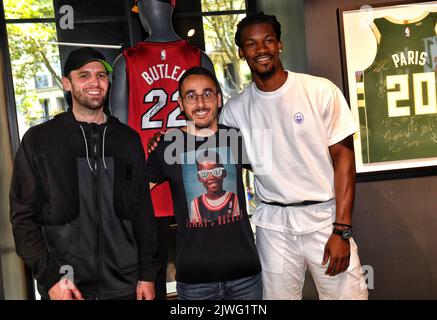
<point>161,71</point>
<point>397,103</point>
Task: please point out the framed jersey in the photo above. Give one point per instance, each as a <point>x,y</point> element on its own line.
<point>389,71</point>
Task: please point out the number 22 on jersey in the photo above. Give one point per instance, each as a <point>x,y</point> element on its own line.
<point>160,99</point>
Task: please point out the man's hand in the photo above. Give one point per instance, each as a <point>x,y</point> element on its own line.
<point>65,290</point>
<point>145,290</point>
<point>153,141</point>
<point>337,251</point>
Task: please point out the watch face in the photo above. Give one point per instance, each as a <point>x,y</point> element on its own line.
<point>347,234</point>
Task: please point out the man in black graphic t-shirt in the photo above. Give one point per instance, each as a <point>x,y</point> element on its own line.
<point>216,257</point>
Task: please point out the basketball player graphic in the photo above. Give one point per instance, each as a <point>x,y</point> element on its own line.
<point>217,206</point>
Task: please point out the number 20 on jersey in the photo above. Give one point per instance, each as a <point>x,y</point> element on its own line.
<point>424,93</point>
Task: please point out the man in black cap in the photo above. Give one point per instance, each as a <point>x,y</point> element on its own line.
<point>80,210</point>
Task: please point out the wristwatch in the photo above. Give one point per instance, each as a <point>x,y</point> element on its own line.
<point>345,234</point>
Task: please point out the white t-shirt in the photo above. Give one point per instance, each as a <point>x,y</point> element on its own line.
<point>287,134</point>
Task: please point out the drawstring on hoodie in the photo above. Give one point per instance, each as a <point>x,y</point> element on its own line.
<point>103,148</point>
<point>86,149</point>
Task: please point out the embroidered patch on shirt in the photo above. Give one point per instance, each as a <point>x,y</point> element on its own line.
<point>299,118</point>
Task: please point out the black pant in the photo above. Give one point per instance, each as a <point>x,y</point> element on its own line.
<point>162,237</point>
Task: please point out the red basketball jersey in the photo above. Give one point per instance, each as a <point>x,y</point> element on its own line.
<point>153,71</point>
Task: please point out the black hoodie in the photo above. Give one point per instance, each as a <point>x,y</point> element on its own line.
<point>80,203</point>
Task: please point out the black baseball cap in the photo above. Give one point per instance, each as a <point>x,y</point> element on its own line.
<point>79,57</point>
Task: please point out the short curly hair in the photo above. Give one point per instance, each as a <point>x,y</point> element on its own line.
<point>257,18</point>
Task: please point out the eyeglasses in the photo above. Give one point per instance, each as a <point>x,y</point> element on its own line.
<point>216,172</point>
<point>192,98</point>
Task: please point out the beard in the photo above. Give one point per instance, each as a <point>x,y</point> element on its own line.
<point>267,74</point>
<point>89,103</point>
<point>92,104</point>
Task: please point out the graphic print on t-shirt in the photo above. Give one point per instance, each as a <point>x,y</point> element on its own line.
<point>211,190</point>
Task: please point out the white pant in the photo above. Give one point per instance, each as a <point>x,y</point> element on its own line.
<point>285,257</point>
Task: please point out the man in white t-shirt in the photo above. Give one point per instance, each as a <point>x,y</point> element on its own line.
<point>298,131</point>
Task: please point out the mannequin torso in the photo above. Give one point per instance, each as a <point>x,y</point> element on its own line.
<point>155,17</point>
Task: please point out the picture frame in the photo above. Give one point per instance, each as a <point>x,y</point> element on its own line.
<point>389,64</point>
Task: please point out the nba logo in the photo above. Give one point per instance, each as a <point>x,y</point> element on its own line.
<point>163,55</point>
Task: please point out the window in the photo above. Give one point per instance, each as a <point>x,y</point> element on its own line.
<point>40,39</point>
<point>41,81</point>
<point>60,104</point>
<point>45,106</point>
<point>31,28</point>
<point>220,19</point>
<point>211,25</point>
